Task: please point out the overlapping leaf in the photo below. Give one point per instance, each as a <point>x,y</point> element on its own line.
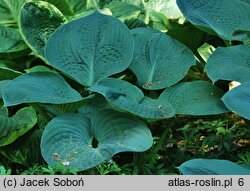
<point>195,98</point>
<point>127,97</point>
<point>90,48</point>
<point>13,127</point>
<point>92,106</point>
<point>38,20</point>
<point>25,150</point>
<point>12,44</point>
<point>41,87</point>
<point>230,63</point>
<point>212,167</point>
<point>9,10</point>
<point>228,19</point>
<point>68,139</point>
<point>238,100</point>
<point>189,35</point>
<point>159,61</point>
<point>7,72</point>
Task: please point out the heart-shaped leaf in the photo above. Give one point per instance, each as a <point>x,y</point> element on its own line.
<point>25,150</point>
<point>68,139</point>
<point>212,167</point>
<point>127,97</point>
<point>230,63</point>
<point>195,98</point>
<point>12,44</point>
<point>41,87</point>
<point>38,20</point>
<point>13,127</point>
<point>228,19</point>
<point>159,61</point>
<point>238,100</point>
<point>9,11</point>
<point>90,48</point>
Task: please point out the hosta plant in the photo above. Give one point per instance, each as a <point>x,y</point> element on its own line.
<point>97,85</point>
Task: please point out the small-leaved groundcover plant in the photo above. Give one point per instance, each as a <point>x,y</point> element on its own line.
<point>87,108</point>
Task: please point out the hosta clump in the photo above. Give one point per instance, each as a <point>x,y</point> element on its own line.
<point>90,114</point>
<point>87,50</point>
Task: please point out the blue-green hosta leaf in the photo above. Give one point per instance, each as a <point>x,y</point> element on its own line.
<point>195,98</point>
<point>238,100</point>
<point>12,44</point>
<point>228,19</point>
<point>159,61</point>
<point>41,87</point>
<point>127,97</point>
<point>25,150</point>
<point>68,139</point>
<point>212,167</point>
<point>13,127</point>
<point>247,42</point>
<point>59,109</point>
<point>93,105</point>
<point>90,48</point>
<point>230,63</point>
<point>2,84</point>
<point>38,20</point>
<point>9,10</point>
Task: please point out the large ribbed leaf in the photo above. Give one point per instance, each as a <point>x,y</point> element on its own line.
<point>230,63</point>
<point>68,139</point>
<point>25,150</point>
<point>13,127</point>
<point>159,61</point>
<point>38,20</point>
<point>195,98</point>
<point>238,100</point>
<point>212,167</point>
<point>127,97</point>
<point>9,10</point>
<point>90,48</point>
<point>228,19</point>
<point>42,87</point>
<point>11,44</point>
